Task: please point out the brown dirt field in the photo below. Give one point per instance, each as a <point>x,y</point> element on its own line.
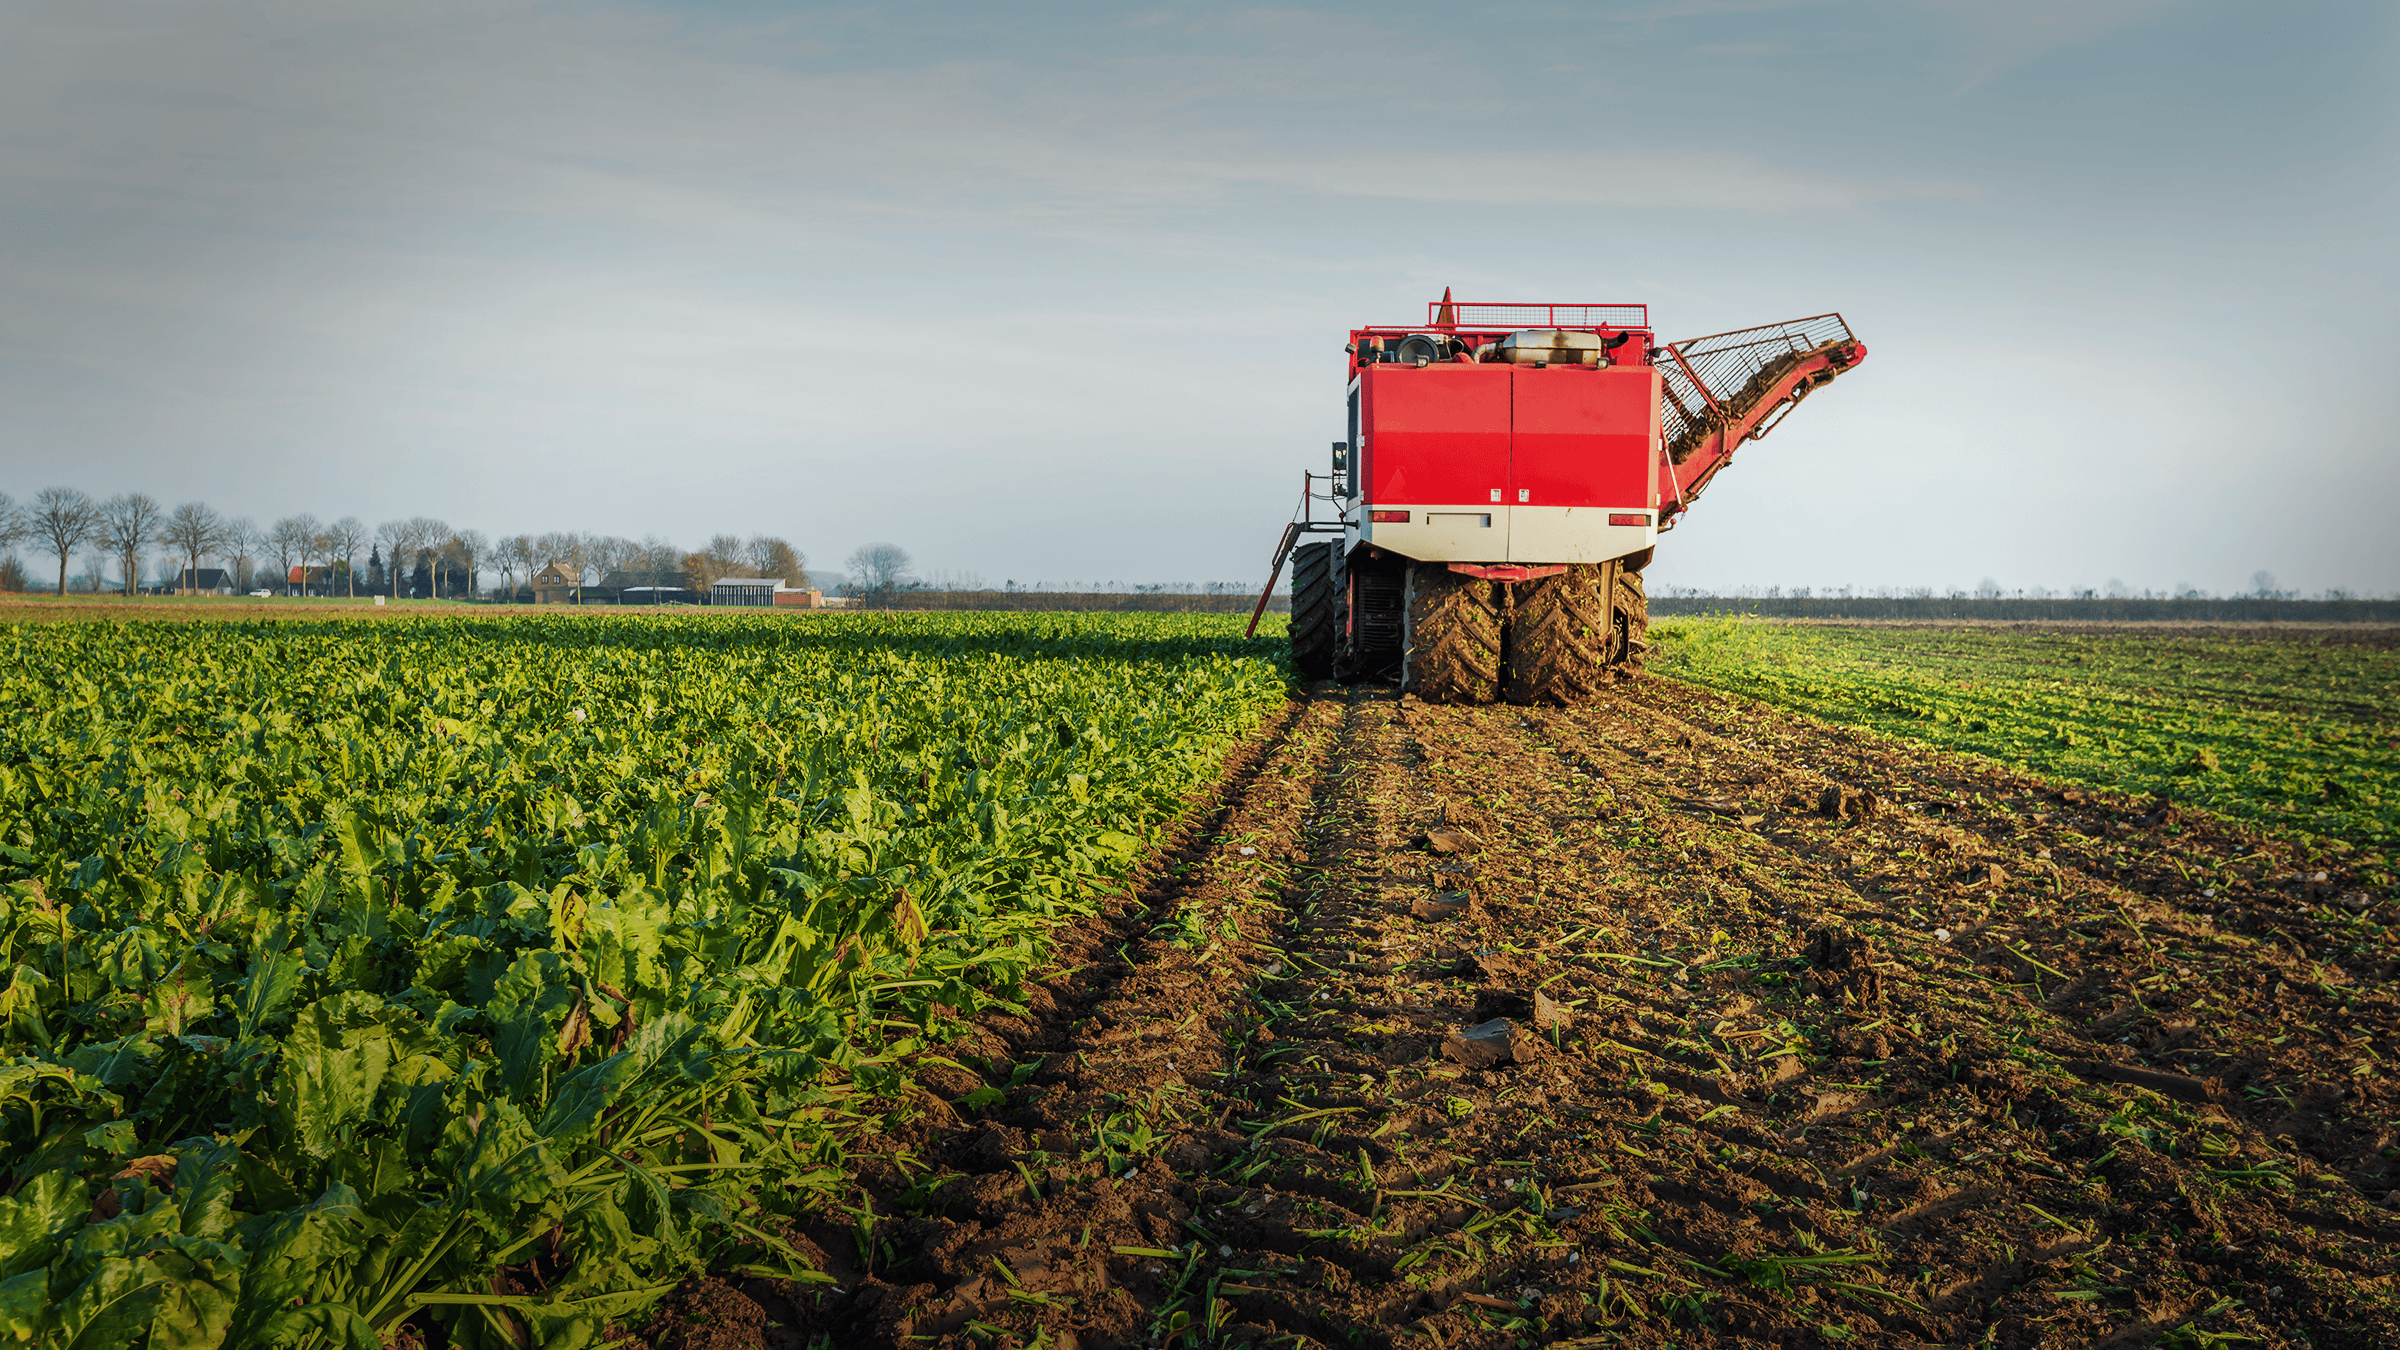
<point>2376,635</point>
<point>190,608</point>
<point>1862,1044</point>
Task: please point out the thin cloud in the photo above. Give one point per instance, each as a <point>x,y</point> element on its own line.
<point>1623,180</point>
<point>2000,40</point>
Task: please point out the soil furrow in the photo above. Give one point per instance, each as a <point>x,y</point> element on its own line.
<point>1670,1020</point>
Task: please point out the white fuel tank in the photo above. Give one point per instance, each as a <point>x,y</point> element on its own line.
<point>1551,346</point>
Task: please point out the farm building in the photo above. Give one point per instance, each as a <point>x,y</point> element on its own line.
<point>555,585</point>
<point>657,595</point>
<point>754,592</point>
<point>203,581</point>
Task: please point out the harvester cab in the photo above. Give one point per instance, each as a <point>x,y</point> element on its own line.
<point>1508,471</point>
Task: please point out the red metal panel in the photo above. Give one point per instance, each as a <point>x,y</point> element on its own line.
<point>1506,571</point>
<point>1436,435</point>
<point>1583,437</point>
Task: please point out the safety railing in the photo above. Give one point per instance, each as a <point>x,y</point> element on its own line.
<point>1713,381</point>
<point>1481,314</point>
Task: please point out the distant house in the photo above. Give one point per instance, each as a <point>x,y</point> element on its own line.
<point>555,585</point>
<point>204,581</point>
<point>317,579</point>
<point>806,597</point>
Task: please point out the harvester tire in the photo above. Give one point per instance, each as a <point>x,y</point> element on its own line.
<point>1633,621</point>
<point>1316,622</point>
<point>1562,635</point>
<point>1453,643</point>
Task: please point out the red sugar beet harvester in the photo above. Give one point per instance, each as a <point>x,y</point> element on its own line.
<point>1508,472</point>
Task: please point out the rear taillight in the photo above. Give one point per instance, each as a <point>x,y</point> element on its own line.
<point>1628,517</point>
<point>1388,517</point>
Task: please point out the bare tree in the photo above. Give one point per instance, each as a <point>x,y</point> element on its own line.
<point>315,546</point>
<point>575,550</point>
<point>877,570</point>
<point>473,549</point>
<point>430,533</point>
<point>12,520</point>
<point>722,556</point>
<point>243,539</point>
<point>769,556</point>
<point>404,540</point>
<point>193,531</point>
<point>398,538</point>
<point>343,539</point>
<point>661,562</point>
<point>622,558</point>
<point>62,519</point>
<point>652,562</point>
<point>127,522</point>
<point>513,554</point>
<point>455,556</point>
<point>292,538</point>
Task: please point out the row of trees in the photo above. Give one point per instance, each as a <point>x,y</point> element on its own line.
<point>64,520</point>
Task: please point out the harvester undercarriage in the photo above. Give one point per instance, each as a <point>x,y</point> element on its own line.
<point>1449,636</point>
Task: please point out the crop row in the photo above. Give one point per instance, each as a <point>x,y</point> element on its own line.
<point>347,968</point>
<point>2294,734</point>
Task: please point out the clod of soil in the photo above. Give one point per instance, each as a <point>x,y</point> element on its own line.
<point>1498,1041</point>
<point>1535,1008</point>
<point>1840,803</point>
<point>1450,841</point>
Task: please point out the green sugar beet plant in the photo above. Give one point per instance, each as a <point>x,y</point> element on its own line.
<point>2294,731</point>
<point>503,973</point>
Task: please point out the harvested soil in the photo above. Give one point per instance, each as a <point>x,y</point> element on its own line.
<point>1802,1037</point>
<point>2379,636</point>
<point>187,608</point>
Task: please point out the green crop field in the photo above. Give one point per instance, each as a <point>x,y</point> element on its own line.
<point>2297,733</point>
<point>344,965</point>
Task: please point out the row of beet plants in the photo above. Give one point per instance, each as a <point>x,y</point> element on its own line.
<point>355,975</point>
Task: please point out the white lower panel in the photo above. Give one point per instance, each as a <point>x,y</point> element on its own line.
<point>1498,533</point>
<point>1442,533</point>
<point>1573,534</point>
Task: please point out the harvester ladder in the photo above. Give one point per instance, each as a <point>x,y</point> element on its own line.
<point>1307,523</point>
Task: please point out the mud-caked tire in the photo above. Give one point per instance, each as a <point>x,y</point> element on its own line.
<point>1453,641</point>
<point>1562,636</point>
<point>1316,606</point>
<point>1633,621</point>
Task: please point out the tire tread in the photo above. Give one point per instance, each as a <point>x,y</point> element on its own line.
<point>1315,624</point>
<point>1453,644</point>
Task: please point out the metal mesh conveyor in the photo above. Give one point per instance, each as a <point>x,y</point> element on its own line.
<point>1715,381</point>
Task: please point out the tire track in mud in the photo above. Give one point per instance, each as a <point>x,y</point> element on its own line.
<point>1864,1044</point>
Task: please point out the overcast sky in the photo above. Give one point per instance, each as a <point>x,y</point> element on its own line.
<point>1058,291</point>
